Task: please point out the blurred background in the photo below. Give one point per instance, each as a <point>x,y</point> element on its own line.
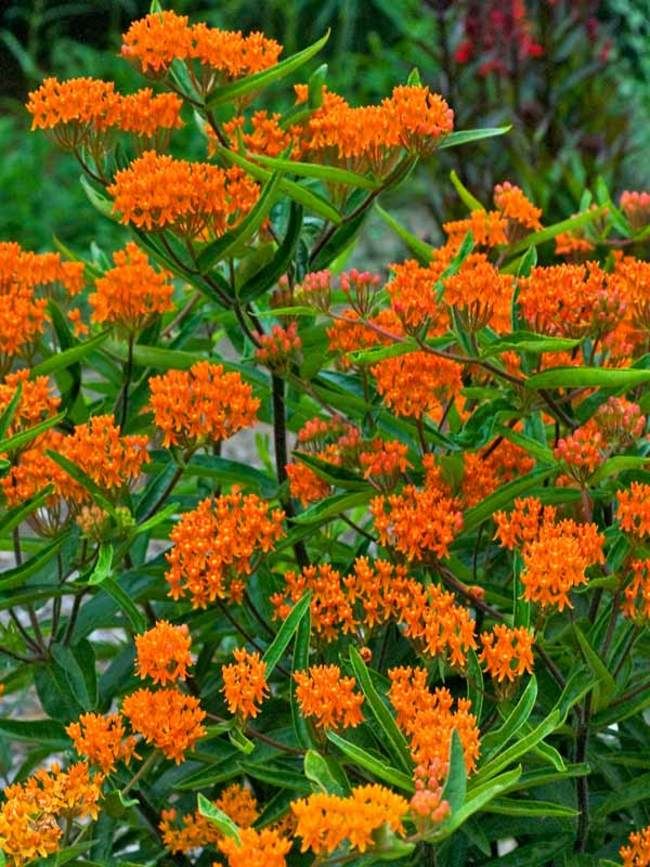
<point>573,78</point>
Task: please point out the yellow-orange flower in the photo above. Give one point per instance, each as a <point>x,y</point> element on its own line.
<point>383,461</point>
<point>507,653</point>
<point>421,117</point>
<point>485,471</point>
<point>488,229</point>
<point>519,211</point>
<point>305,485</point>
<point>74,109</point>
<point>328,698</point>
<point>480,294</point>
<point>102,740</point>
<point>149,115</point>
<point>244,683</point>
<point>132,292</point>
<point>215,545</point>
<point>36,403</point>
<point>163,652</point>
<point>265,848</point>
<point>192,831</point>
<point>417,383</point>
<point>636,605</point>
<point>156,40</point>
<point>637,851</point>
<point>267,136</point>
<point>167,718</point>
<point>325,821</point>
<point>202,404</point>
<point>633,510</point>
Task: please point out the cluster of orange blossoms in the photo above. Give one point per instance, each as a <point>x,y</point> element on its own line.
<point>215,545</point>
<point>514,216</point>
<point>507,653</point>
<point>167,718</point>
<point>334,441</point>
<point>265,848</point>
<point>155,41</point>
<point>195,200</point>
<point>556,553</point>
<point>102,740</point>
<point>163,653</point>
<point>480,294</point>
<point>36,401</point>
<point>280,349</point>
<point>374,593</point>
<point>637,851</point>
<point>192,831</point>
<point>428,719</point>
<point>31,812</point>
<point>326,821</point>
<point>493,466</point>
<point>636,207</point>
<point>419,522</point>
<point>328,698</point>
<point>244,683</point>
<point>131,293</point>
<point>636,604</point>
<point>633,510</point>
<point>81,111</point>
<point>201,405</point>
<point>418,383</point>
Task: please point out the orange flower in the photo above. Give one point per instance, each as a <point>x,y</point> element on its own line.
<point>637,852</point>
<point>36,402</point>
<point>517,209</point>
<point>325,821</point>
<point>265,848</point>
<point>636,605</point>
<point>267,136</point>
<point>485,471</point>
<point>384,461</point>
<point>507,653</point>
<point>421,117</point>
<point>280,349</point>
<point>331,609</point>
<point>214,546</point>
<point>22,320</point>
<point>412,291</point>
<point>156,40</point>
<point>416,521</point>
<point>329,698</point>
<point>583,450</point>
<point>244,683</point>
<point>194,831</point>
<point>305,485</point>
<point>33,471</point>
<point>168,719</point>
<point>633,510</point>
<point>488,229</point>
<point>480,294</point>
<point>194,200</point>
<point>132,292</point>
<point>427,805</point>
<point>417,383</point>
<point>76,110</point>
<point>428,719</point>
<point>202,404</point>
<point>110,459</point>
<point>150,116</point>
<point>23,269</point>
<point>636,207</point>
<point>435,621</point>
<point>163,653</point>
<point>102,740</point>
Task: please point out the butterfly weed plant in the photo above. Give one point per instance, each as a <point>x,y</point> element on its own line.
<point>413,628</point>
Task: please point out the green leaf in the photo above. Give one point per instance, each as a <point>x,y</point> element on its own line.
<point>493,741</point>
<point>475,686</point>
<point>301,728</point>
<point>238,739</point>
<point>503,497</point>
<point>100,202</point>
<point>125,603</point>
<point>218,818</point>
<point>103,566</point>
<point>232,242</point>
<point>422,251</point>
<point>492,767</point>
<point>273,270</point>
<point>470,201</point>
<point>285,633</point>
<point>16,577</point>
<point>379,353</point>
<point>476,801</point>
<point>605,688</point>
<point>78,681</point>
<point>10,410</point>
<point>395,741</point>
<point>589,377</point>
<point>456,784</point>
<point>339,243</point>
<point>526,341</point>
<point>618,464</point>
<point>550,232</point>
<point>329,174</point>
<point>466,247</point>
<point>61,360</point>
<point>517,807</point>
<point>84,480</point>
<point>315,86</point>
<point>43,732</point>
<point>372,764</point>
<point>155,356</point>
<point>17,441</point>
<point>464,136</point>
<point>13,517</point>
<point>332,506</point>
<point>309,200</point>
<point>259,80</point>
<point>326,773</point>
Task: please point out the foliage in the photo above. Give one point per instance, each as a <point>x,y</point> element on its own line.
<point>413,615</point>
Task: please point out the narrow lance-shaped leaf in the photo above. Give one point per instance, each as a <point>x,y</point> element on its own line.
<point>550,232</point>
<point>377,767</point>
<point>276,648</point>
<point>470,201</point>
<point>327,174</point>
<point>267,276</point>
<point>420,249</point>
<point>217,817</point>
<point>464,136</point>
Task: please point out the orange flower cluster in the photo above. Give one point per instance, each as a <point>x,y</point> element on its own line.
<point>33,471</point>
<point>31,811</point>
<point>167,718</point>
<point>35,404</point>
<point>325,821</point>
<point>331,700</point>
<point>555,553</point>
<point>131,293</point>
<point>480,294</point>
<point>637,851</point>
<point>384,461</point>
<point>636,605</point>
<point>488,229</point>
<point>519,211</point>
<point>348,333</point>
<point>635,276</point>
<point>163,652</point>
<point>81,111</point>
<point>633,511</point>
<point>102,740</point>
<point>487,470</point>
<point>428,719</point>
<point>194,200</point>
<point>202,404</point>
<point>360,288</point>
<point>280,349</point>
<point>419,522</point>
<point>155,41</point>
<point>316,289</point>
<point>215,544</point>
<point>427,805</point>
<point>304,485</point>
<point>193,831</point>
<point>266,137</point>
<point>571,300</point>
<point>335,441</point>
<point>636,207</point>
<point>412,292</point>
<point>244,683</point>
<point>265,848</point>
<point>417,383</point>
<point>583,450</point>
<point>507,653</point>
